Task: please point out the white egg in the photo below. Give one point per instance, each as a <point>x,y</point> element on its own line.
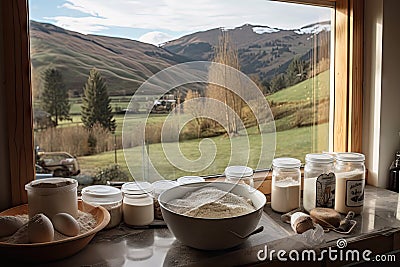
<point>40,229</point>
<point>66,224</point>
<point>9,225</point>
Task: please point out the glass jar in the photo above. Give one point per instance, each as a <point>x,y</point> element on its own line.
<point>350,182</point>
<point>286,184</point>
<point>158,188</point>
<point>108,197</point>
<point>239,175</point>
<point>138,204</point>
<point>319,182</point>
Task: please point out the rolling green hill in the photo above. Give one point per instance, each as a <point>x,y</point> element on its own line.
<point>124,63</point>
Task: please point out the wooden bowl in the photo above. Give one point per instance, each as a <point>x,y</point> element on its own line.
<point>49,251</point>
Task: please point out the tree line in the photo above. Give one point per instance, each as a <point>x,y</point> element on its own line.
<point>95,109</point>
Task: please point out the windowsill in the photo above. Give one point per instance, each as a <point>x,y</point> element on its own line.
<point>377,229</point>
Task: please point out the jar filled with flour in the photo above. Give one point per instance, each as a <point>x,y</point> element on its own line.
<point>350,182</point>
<point>286,184</point>
<point>138,204</point>
<point>108,197</point>
<point>319,182</point>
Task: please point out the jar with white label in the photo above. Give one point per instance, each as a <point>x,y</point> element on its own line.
<point>350,182</point>
<point>108,197</point>
<point>319,182</point>
<point>239,175</point>
<point>138,204</point>
<point>286,184</point>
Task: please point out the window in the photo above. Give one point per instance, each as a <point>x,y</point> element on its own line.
<point>344,11</point>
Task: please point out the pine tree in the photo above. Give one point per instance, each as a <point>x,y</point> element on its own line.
<point>55,96</point>
<point>296,71</point>
<point>96,106</point>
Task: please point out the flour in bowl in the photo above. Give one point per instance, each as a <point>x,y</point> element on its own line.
<point>211,203</point>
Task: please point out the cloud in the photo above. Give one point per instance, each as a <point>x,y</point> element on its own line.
<point>186,16</point>
<point>78,8</point>
<point>155,38</point>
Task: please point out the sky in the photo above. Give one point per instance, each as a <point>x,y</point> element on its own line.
<point>159,21</point>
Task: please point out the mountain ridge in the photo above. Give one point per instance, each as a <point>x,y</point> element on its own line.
<point>125,64</point>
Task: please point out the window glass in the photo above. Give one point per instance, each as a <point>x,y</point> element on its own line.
<point>236,83</point>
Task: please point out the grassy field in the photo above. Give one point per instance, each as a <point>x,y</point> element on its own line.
<point>291,140</point>
<point>295,143</point>
<point>304,91</point>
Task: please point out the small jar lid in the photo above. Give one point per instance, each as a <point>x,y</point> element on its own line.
<point>286,163</point>
<point>238,171</point>
<point>162,185</point>
<point>190,180</point>
<point>137,188</point>
<point>350,157</point>
<point>101,194</point>
<point>319,158</point>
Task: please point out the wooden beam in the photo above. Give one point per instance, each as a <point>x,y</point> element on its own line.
<point>348,75</point>
<point>341,75</point>
<point>356,63</point>
<point>327,3</point>
<point>14,20</point>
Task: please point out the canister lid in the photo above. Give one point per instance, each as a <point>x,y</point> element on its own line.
<point>286,163</point>
<point>162,185</point>
<point>101,194</point>
<point>319,158</point>
<point>350,157</point>
<point>190,180</point>
<point>49,186</point>
<point>137,188</point>
<point>238,171</point>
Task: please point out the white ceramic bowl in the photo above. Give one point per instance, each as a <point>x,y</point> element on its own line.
<point>212,234</point>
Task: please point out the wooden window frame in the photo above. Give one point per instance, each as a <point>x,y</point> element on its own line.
<point>348,98</point>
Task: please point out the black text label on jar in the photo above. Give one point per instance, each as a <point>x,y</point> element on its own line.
<point>354,193</point>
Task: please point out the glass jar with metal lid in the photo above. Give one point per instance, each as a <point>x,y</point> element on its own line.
<point>108,197</point>
<point>350,182</point>
<point>319,182</point>
<point>286,184</point>
<point>138,204</point>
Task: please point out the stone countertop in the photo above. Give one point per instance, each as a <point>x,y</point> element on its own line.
<point>124,246</point>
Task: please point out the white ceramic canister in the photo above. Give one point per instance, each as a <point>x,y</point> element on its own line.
<point>350,182</point>
<point>286,184</point>
<point>158,188</point>
<point>189,180</point>
<point>108,197</point>
<point>319,182</point>
<point>51,196</point>
<point>239,175</point>
<point>138,203</point>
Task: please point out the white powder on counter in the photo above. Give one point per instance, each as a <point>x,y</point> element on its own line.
<point>85,220</point>
<point>210,202</point>
<point>285,195</point>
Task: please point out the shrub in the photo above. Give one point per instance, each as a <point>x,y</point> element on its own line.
<point>111,173</point>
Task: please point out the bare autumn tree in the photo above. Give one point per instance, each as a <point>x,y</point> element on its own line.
<point>226,54</point>
<point>195,108</point>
